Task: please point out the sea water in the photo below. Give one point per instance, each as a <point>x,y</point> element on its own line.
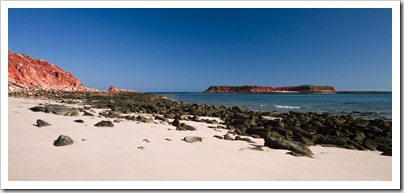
<point>359,105</point>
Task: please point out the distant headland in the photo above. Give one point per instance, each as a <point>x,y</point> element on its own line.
<point>301,89</point>
<point>269,89</point>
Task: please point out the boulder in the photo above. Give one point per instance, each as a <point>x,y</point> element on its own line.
<point>192,139</point>
<point>295,147</point>
<point>176,123</point>
<point>227,137</point>
<point>104,124</point>
<point>63,140</point>
<point>56,109</point>
<point>79,121</point>
<point>41,123</point>
<point>333,140</point>
<point>218,136</point>
<point>370,144</point>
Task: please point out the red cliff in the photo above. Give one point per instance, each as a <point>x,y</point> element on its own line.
<point>26,73</point>
<point>267,89</point>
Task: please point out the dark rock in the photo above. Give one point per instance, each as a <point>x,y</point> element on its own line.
<point>361,123</point>
<point>333,140</point>
<point>387,152</point>
<point>255,136</point>
<point>359,136</point>
<point>87,114</point>
<point>275,134</point>
<point>260,132</point>
<point>104,124</point>
<point>169,115</point>
<point>63,140</point>
<point>62,110</point>
<point>148,120</point>
<point>192,139</point>
<point>356,145</point>
<point>298,130</point>
<point>296,147</point>
<point>241,131</point>
<point>41,123</point>
<point>188,127</point>
<point>302,139</point>
<point>288,134</point>
<point>227,137</point>
<point>79,121</point>
<point>160,118</point>
<point>195,118</point>
<point>144,119</point>
<point>221,127</point>
<point>176,123</point>
<point>110,114</point>
<point>369,144</point>
<point>218,136</point>
<point>244,139</point>
<point>38,109</point>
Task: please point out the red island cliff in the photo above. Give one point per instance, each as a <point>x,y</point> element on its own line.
<point>268,89</point>
<point>26,73</point>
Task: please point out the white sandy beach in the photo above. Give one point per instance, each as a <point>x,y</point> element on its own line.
<point>114,154</point>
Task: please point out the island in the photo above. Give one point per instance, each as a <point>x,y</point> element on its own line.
<point>269,89</point>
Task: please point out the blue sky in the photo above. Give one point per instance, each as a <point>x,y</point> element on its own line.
<point>165,50</point>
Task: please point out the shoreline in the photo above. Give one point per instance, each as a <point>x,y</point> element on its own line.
<point>272,106</point>
<point>114,154</point>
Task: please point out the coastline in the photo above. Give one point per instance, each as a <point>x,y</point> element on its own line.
<point>114,153</point>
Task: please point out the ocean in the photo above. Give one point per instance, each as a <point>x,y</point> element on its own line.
<point>368,106</point>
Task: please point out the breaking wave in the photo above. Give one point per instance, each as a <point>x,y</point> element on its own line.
<point>287,107</point>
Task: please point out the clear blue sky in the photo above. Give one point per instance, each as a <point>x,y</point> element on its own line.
<point>190,49</point>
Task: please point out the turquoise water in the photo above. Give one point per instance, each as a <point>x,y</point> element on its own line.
<point>359,105</point>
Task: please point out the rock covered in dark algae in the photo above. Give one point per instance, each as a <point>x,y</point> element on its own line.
<point>104,124</point>
<point>296,147</point>
<point>56,109</point>
<point>42,123</point>
<point>63,140</point>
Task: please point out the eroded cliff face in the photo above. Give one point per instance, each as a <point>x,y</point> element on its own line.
<point>268,89</point>
<point>27,73</point>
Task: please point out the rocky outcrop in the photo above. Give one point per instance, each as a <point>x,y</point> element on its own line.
<point>268,89</point>
<point>112,89</point>
<point>27,73</point>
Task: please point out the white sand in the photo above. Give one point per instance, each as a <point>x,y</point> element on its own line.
<point>113,154</point>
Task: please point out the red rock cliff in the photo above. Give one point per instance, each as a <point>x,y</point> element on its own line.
<point>268,89</point>
<point>26,73</point>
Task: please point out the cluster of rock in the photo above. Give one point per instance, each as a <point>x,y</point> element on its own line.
<point>268,89</point>
<point>294,131</point>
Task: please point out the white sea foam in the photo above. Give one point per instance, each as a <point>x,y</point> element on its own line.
<point>287,107</point>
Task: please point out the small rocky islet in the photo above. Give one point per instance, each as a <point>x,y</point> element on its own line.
<point>294,131</point>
